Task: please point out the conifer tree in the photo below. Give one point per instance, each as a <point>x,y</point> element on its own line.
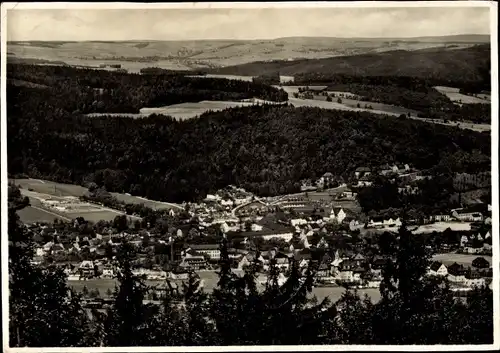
<point>44,311</point>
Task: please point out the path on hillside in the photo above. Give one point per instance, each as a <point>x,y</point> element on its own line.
<point>162,202</point>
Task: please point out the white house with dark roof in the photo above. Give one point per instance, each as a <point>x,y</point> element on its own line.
<point>438,269</point>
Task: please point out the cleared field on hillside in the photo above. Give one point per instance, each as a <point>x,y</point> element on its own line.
<point>185,111</point>
<point>461,259</point>
<point>32,215</point>
<point>380,107</point>
<point>442,226</point>
<point>297,102</point>
<point>156,205</point>
<point>228,77</point>
<point>50,187</point>
<point>60,191</point>
<point>455,96</point>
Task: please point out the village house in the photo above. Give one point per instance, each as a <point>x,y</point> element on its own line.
<point>377,264</point>
<point>456,273</point>
<point>212,250</point>
<point>323,271</point>
<point>380,222</point>
<point>440,218</point>
<point>364,181</point>
<point>371,279</point>
<point>480,263</point>
<point>473,246</point>
<point>487,246</point>
<point>359,260</point>
<point>474,279</point>
<point>335,214</point>
<point>107,272</point>
<point>256,227</point>
<point>194,263</point>
<point>298,222</point>
<point>303,257</point>
<point>400,168</point>
<point>86,268</point>
<point>438,269</point>
<point>362,171</point>
<point>245,260</point>
<point>469,214</point>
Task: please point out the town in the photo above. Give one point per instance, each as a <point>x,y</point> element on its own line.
<point>325,218</point>
<point>198,176</point>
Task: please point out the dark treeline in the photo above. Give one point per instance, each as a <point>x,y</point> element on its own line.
<point>481,83</point>
<point>76,91</point>
<point>433,196</point>
<point>273,79</point>
<point>160,71</point>
<point>410,92</point>
<point>414,309</point>
<point>267,150</point>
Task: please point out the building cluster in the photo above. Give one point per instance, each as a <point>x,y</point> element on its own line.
<point>478,274</point>
<point>260,231</point>
<point>363,176</point>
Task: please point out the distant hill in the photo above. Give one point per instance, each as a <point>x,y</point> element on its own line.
<point>468,63</point>
<point>219,53</point>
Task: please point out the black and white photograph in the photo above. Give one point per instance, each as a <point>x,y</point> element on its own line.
<point>249,176</point>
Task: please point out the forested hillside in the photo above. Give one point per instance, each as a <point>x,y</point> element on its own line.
<point>75,91</point>
<point>265,149</point>
<point>443,65</point>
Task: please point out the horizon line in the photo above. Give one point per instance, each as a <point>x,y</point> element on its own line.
<point>248,40</point>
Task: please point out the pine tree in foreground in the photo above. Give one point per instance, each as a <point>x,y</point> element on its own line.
<point>43,310</point>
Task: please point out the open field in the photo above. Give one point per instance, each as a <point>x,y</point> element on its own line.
<point>184,111</point>
<point>297,102</point>
<point>156,205</point>
<point>181,55</point>
<point>190,110</point>
<point>228,77</point>
<point>50,187</point>
<point>455,96</point>
<point>60,191</point>
<point>387,108</point>
<point>34,214</point>
<point>66,194</point>
<point>442,226</point>
<point>461,259</point>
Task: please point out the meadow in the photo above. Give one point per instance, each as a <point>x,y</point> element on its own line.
<point>455,96</point>
<point>42,189</point>
<point>461,259</point>
<point>184,111</point>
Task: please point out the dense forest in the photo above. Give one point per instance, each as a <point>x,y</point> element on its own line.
<point>414,309</point>
<point>80,91</point>
<point>265,149</point>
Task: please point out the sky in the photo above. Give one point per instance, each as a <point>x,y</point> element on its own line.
<point>269,23</point>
